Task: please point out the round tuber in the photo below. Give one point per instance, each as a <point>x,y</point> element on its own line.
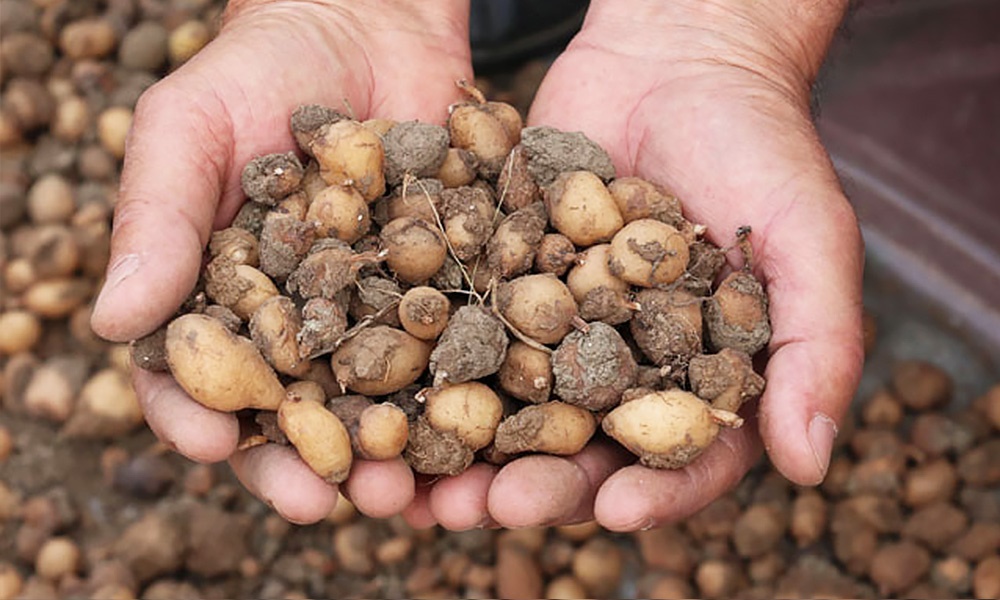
<point>666,430</point>
<point>552,428</point>
<point>380,360</point>
<point>540,306</point>
<point>648,253</point>
<point>581,208</point>
<point>470,410</point>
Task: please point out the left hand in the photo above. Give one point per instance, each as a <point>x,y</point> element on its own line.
<point>193,132</point>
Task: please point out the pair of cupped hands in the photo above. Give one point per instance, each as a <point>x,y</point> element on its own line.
<point>710,99</point>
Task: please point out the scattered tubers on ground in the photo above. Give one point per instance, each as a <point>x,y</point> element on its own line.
<point>482,289</point>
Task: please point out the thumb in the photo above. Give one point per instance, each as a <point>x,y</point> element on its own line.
<point>178,153</point>
<point>812,260</point>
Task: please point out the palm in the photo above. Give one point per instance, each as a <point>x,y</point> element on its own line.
<point>737,149</point>
<point>243,87</point>
<point>716,135</point>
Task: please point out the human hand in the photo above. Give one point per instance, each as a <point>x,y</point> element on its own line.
<point>710,99</point>
<point>191,136</point>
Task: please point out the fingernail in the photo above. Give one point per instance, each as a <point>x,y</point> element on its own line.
<point>822,431</point>
<point>123,268</point>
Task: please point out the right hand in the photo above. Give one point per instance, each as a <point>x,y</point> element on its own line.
<point>191,135</point>
<point>711,100</point>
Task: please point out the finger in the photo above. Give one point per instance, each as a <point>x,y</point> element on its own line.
<point>537,490</point>
<point>638,497</point>
<point>459,503</point>
<point>380,488</point>
<point>542,490</point>
<point>418,514</point>
<point>277,476</point>
<point>599,460</point>
<point>178,151</point>
<point>197,432</point>
<point>813,266</point>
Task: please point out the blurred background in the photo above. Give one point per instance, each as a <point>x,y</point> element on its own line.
<point>92,506</point>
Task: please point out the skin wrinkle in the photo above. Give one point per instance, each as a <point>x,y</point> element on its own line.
<point>223,160</point>
<point>762,43</point>
<point>158,391</point>
<point>317,32</point>
<point>753,59</point>
<point>777,282</point>
<point>794,96</point>
<point>380,99</point>
<point>781,339</point>
<point>780,59</point>
<point>280,15</point>
<point>232,196</point>
<point>700,59</point>
<point>768,264</point>
<point>795,47</point>
<point>762,257</point>
<point>240,8</point>
<point>127,213</point>
<point>702,473</point>
<point>273,16</point>
<point>632,151</point>
<point>737,451</point>
<point>350,34</point>
<point>634,143</point>
<point>635,149</point>
<point>211,169</point>
<point>189,220</point>
<point>215,149</point>
<point>384,34</point>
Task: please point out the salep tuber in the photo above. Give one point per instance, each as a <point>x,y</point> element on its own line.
<point>480,290</point>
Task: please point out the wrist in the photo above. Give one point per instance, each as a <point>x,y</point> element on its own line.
<point>432,13</point>
<point>383,46</point>
<point>784,40</point>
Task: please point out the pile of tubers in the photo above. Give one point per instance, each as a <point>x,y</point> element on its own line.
<point>479,290</point>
